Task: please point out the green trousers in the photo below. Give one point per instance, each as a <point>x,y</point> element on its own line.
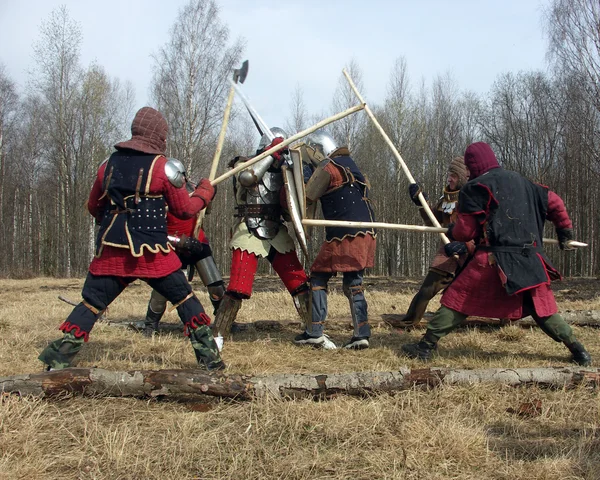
<point>445,320</point>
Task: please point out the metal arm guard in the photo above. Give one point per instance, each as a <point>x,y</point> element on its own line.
<point>252,175</point>
<point>175,172</point>
<point>208,271</point>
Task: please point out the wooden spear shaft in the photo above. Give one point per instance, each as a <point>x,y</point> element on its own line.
<point>406,228</point>
<point>287,142</point>
<point>217,156</point>
<point>389,226</point>
<point>396,153</point>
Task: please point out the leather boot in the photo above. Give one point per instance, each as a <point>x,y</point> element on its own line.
<point>580,355</point>
<point>422,350</point>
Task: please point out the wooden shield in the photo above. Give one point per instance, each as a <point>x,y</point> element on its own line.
<point>294,207</point>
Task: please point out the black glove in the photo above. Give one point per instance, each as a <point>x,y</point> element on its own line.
<point>564,235</point>
<point>413,190</point>
<point>455,248</point>
<point>189,247</point>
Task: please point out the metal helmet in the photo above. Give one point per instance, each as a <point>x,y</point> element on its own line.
<point>278,132</point>
<point>319,145</point>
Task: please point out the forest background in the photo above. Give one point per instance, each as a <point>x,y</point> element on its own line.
<point>53,136</point>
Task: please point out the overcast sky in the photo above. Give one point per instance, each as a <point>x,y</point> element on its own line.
<point>302,42</point>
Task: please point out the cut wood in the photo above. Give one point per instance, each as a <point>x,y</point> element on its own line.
<point>188,383</point>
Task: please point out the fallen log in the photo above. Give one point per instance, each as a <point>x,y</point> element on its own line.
<point>187,384</point>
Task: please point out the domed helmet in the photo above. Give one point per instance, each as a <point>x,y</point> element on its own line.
<point>319,145</point>
<point>264,140</point>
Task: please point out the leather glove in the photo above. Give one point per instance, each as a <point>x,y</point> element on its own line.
<point>455,248</point>
<point>413,190</point>
<point>189,246</point>
<point>564,235</point>
<point>205,191</point>
<point>278,155</point>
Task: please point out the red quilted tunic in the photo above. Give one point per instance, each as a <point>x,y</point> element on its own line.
<point>119,261</point>
<point>178,227</point>
<point>478,289</point>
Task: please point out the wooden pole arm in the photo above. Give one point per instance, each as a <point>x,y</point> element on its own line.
<point>407,228</point>
<point>387,139</point>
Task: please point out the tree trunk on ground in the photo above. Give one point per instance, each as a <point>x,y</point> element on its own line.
<point>178,384</point>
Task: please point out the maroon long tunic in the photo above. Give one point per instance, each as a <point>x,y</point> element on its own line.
<point>478,289</point>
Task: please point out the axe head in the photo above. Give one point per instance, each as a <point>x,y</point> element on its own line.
<point>239,74</point>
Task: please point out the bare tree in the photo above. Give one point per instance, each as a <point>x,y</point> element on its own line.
<point>347,130</point>
<point>299,116</point>
<point>190,82</point>
<point>574,41</point>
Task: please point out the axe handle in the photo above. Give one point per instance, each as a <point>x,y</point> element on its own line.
<point>217,157</point>
<point>285,143</point>
<point>387,139</point>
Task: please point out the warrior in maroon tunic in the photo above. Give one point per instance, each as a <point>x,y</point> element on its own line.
<point>129,200</point>
<point>509,275</point>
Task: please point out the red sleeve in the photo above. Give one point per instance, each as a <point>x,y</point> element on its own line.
<point>466,228</point>
<point>557,212</point>
<point>181,205</point>
<point>95,205</point>
<point>337,178</point>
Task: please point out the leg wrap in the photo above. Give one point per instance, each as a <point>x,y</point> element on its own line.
<point>432,284</point>
<point>289,269</point>
<point>443,322</point>
<point>352,287</point>
<point>318,284</point>
<point>60,353</point>
<point>243,269</point>
<point>226,314</point>
<point>554,326</point>
<point>205,348</point>
<point>303,303</point>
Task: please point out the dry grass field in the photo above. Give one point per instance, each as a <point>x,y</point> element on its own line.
<point>474,432</point>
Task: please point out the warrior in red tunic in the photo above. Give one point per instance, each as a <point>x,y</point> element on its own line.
<point>335,179</point>
<point>509,275</point>
<point>195,254</point>
<point>259,232</point>
<point>129,199</point>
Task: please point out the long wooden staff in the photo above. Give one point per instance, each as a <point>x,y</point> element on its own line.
<point>238,75</point>
<point>407,228</point>
<point>285,143</point>
<point>387,139</point>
